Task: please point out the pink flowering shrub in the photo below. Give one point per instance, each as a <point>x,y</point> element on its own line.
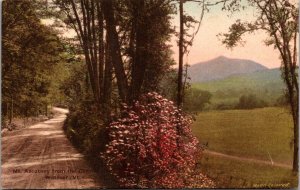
<point>151,145</point>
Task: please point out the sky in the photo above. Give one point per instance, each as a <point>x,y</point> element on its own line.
<point>208,46</point>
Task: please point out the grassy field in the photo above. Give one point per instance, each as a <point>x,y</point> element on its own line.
<point>254,134</point>
<point>229,173</point>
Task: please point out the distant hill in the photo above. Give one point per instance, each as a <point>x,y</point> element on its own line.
<point>266,84</point>
<point>259,79</point>
<point>222,67</point>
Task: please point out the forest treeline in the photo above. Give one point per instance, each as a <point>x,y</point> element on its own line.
<point>124,46</point>
<point>31,55</point>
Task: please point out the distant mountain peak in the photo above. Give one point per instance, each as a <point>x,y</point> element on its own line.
<point>222,67</point>
<point>221,57</point>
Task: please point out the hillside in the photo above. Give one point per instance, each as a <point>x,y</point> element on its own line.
<point>266,84</point>
<point>222,67</point>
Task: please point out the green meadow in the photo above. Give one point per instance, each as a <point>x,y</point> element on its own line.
<point>261,134</point>
<point>228,173</point>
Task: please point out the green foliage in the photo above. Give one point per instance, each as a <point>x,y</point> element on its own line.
<point>224,106</point>
<point>85,128</point>
<point>168,85</point>
<point>234,37</point>
<point>196,100</point>
<point>29,59</point>
<point>140,47</point>
<point>76,86</point>
<point>250,102</point>
<point>282,101</point>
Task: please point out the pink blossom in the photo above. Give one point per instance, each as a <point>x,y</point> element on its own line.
<point>154,146</point>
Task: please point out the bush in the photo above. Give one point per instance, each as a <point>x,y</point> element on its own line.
<point>282,101</point>
<point>250,102</point>
<point>151,145</point>
<point>225,106</point>
<point>85,128</point>
<point>196,100</point>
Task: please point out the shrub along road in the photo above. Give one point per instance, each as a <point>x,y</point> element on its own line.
<point>41,156</point>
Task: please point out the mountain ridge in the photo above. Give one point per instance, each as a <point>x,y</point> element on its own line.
<point>222,67</point>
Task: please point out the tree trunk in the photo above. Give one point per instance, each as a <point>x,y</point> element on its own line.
<point>290,80</point>
<point>293,102</point>
<point>11,113</point>
<point>139,63</point>
<point>180,67</point>
<point>7,109</point>
<point>107,86</point>
<point>101,50</point>
<point>295,115</point>
<point>83,27</point>
<point>46,109</point>
<point>113,40</point>
<point>296,143</point>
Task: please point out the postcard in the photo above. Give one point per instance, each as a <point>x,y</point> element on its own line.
<point>156,94</point>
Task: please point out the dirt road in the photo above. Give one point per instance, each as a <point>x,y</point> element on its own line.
<point>41,156</point>
<point>271,163</point>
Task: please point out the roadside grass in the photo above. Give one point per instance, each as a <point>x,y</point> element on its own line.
<point>229,173</point>
<point>263,134</point>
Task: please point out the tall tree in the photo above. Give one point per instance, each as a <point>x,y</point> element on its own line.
<point>28,60</point>
<point>186,38</point>
<point>180,64</point>
<point>136,42</point>
<point>115,48</point>
<point>279,19</point>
